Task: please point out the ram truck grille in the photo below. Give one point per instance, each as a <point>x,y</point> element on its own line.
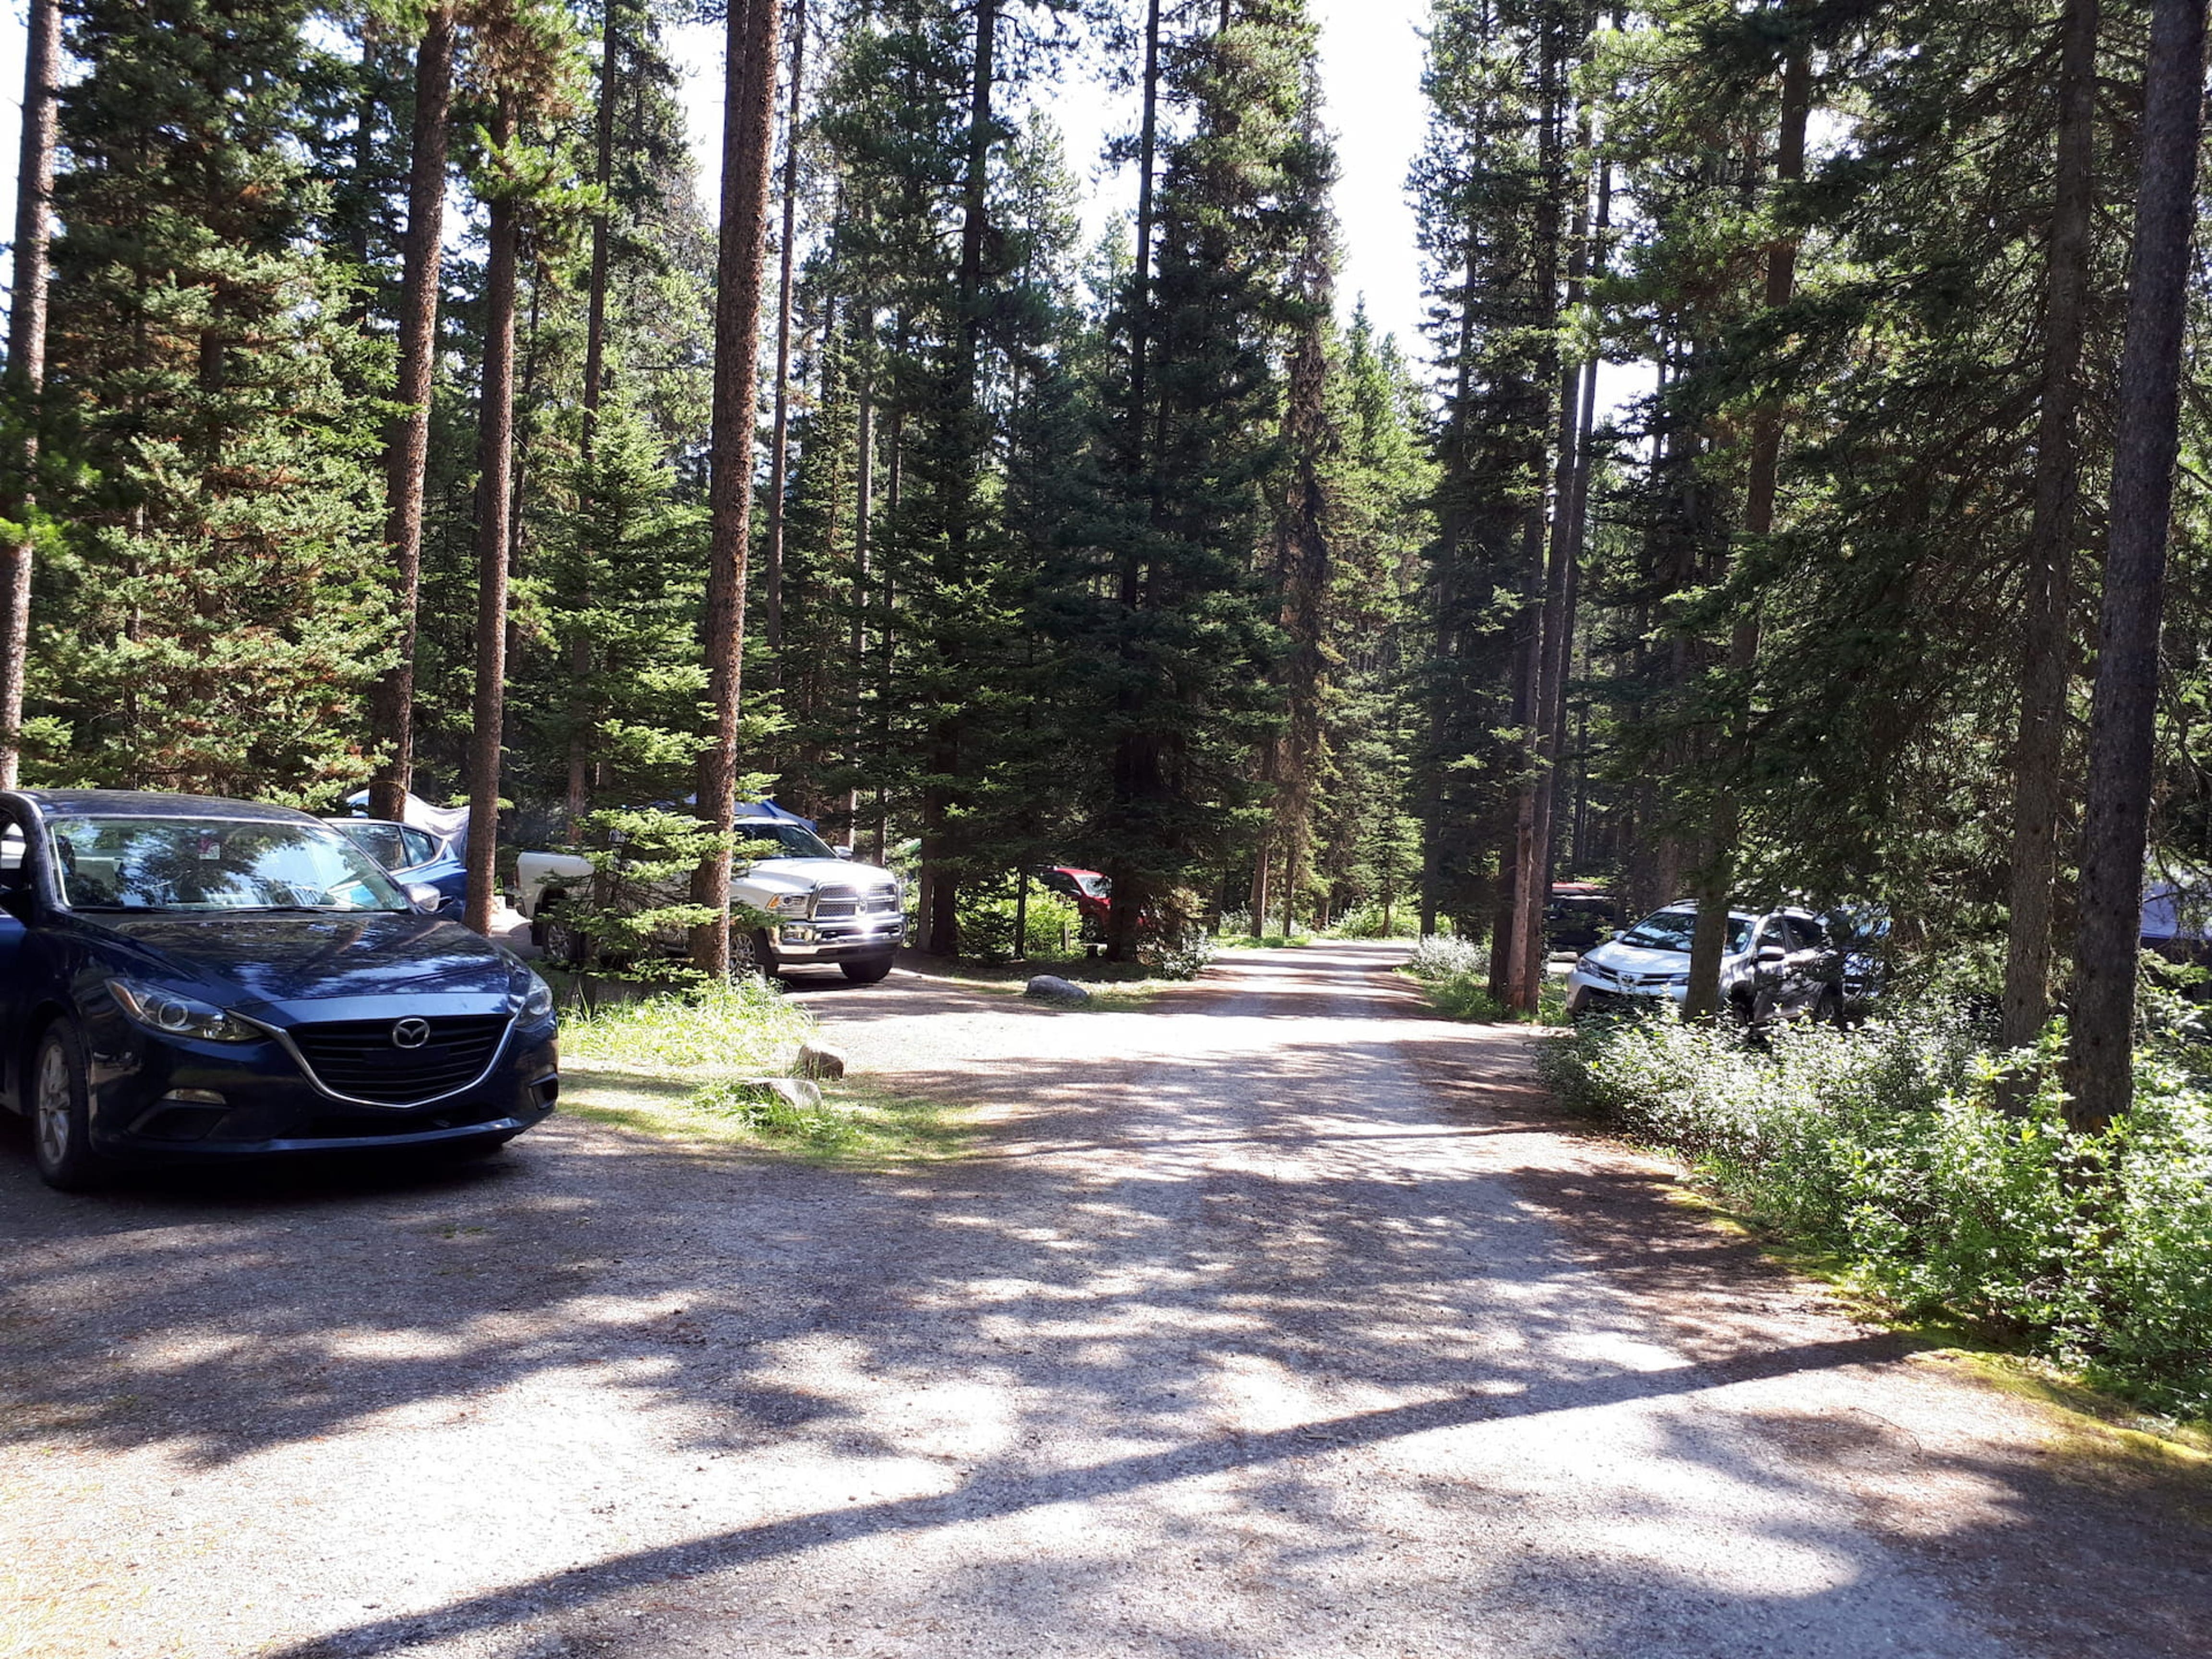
<point>840,902</point>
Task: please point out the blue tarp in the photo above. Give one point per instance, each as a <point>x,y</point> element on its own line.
<point>768,809</point>
<point>2171,911</point>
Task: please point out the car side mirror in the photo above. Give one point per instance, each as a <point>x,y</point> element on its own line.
<point>1772,953</point>
<point>842,852</point>
<point>425,898</point>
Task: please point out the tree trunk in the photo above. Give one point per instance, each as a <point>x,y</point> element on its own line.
<point>1141,286</point>
<point>1558,637</point>
<point>748,130</point>
<point>2039,762</point>
<point>778,453</point>
<point>595,359</point>
<point>1715,878</point>
<point>1444,599</point>
<point>941,916</point>
<point>496,463</point>
<point>407,451</point>
<point>2123,708</point>
<point>864,506</point>
<point>1523,955</point>
<point>27,370</point>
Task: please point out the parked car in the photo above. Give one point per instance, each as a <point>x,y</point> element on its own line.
<point>1774,966</point>
<point>1860,936</point>
<point>413,857</point>
<point>821,908</point>
<point>186,978</point>
<point>1580,915</point>
<point>1093,894</point>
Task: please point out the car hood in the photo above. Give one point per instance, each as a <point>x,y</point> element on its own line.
<point>804,875</point>
<point>282,962</point>
<point>1636,959</point>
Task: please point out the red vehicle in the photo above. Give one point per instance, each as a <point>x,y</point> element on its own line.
<point>1093,893</point>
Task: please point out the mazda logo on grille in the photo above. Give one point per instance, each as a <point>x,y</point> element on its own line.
<point>410,1034</point>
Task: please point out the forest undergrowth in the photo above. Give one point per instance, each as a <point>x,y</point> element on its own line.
<point>1888,1148</point>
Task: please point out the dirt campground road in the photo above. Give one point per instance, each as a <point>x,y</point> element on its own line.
<point>1275,1320</point>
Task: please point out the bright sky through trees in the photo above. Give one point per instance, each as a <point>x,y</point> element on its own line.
<point>1371,53</point>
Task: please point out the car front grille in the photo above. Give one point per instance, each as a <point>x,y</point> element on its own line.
<point>358,1058</point>
<point>837,902</point>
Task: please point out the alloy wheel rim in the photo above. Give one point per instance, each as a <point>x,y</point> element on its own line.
<point>53,1104</point>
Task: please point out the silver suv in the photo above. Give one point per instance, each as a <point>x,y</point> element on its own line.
<point>1779,965</point>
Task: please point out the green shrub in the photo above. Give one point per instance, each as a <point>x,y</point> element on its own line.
<point>986,923</point>
<point>1885,1145</point>
<point>1447,956</point>
<point>735,1026</point>
<point>1178,953</point>
<point>1368,921</point>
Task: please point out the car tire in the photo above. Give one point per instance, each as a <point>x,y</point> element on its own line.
<point>61,1112</point>
<point>867,970</point>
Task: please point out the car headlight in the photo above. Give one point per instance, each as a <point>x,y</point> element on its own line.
<point>172,1015</point>
<point>788,904</point>
<point>538,1001</point>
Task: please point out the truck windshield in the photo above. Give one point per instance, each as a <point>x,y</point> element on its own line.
<point>791,840</point>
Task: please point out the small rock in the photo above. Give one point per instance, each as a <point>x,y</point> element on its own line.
<point>1053,985</point>
<point>818,1060</point>
<point>796,1092</point>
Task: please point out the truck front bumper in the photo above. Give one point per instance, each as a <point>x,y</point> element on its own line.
<point>841,941</point>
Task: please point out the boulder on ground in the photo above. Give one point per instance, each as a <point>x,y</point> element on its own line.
<point>1059,989</point>
<point>801,1093</point>
<point>818,1060</point>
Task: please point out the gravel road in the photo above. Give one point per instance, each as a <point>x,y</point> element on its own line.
<point>1274,1319</point>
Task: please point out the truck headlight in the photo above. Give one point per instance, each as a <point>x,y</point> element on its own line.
<point>788,904</point>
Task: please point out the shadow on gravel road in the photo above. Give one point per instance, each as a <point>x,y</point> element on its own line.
<point>1097,1265</point>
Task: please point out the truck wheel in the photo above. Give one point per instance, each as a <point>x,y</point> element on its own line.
<point>867,970</point>
<point>564,944</point>
<point>753,953</point>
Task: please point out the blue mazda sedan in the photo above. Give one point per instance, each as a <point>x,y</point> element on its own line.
<point>189,978</point>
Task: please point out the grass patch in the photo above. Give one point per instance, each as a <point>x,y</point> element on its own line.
<point>857,1124</point>
<point>744,1026</point>
<point>1467,996</point>
<point>683,1066</point>
<point>1267,942</point>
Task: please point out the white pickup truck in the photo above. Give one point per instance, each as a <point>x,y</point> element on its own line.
<point>827,910</point>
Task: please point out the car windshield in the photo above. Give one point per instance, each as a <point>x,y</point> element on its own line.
<point>792,841</point>
<point>1096,885</point>
<point>215,864</point>
<point>1673,930</point>
<point>382,842</point>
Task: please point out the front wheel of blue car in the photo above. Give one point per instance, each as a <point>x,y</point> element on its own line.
<point>61,1134</point>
